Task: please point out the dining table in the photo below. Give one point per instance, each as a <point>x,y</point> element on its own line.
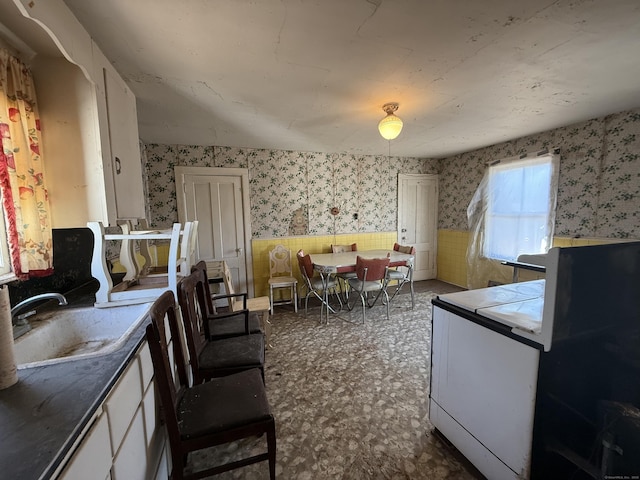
<point>327,264</point>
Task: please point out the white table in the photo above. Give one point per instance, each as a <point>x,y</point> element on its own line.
<point>330,263</point>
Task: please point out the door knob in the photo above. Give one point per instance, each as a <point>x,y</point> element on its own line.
<point>403,230</point>
<point>239,251</point>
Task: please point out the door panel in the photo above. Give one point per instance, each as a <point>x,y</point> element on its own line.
<point>417,220</point>
<point>217,202</point>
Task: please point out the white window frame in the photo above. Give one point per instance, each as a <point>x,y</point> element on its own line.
<point>6,274</point>
<point>546,217</point>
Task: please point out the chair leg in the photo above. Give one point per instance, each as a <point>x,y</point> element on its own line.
<point>271,448</point>
<point>295,298</point>
<point>271,298</point>
<point>388,302</point>
<point>267,328</point>
<point>413,301</point>
<point>306,304</point>
<point>336,293</point>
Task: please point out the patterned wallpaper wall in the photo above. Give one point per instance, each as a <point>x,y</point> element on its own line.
<point>292,192</point>
<point>599,185</point>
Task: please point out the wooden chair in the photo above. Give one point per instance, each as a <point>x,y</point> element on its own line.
<point>225,324</point>
<point>220,411</point>
<point>403,272</point>
<point>281,276</point>
<point>371,276</point>
<point>215,358</point>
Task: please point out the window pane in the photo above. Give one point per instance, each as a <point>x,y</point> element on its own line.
<point>518,199</point>
<point>536,188</point>
<point>502,237</point>
<point>506,191</point>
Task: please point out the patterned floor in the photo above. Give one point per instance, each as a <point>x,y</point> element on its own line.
<point>350,400</point>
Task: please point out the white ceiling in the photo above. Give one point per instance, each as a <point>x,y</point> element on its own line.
<point>313,75</point>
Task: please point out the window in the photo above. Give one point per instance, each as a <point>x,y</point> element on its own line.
<point>520,205</point>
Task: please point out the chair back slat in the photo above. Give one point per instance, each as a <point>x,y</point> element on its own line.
<point>207,300</point>
<point>404,248</point>
<point>371,269</point>
<point>193,317</point>
<point>163,312</point>
<point>228,284</point>
<point>344,248</point>
<point>305,264</point>
<point>280,262</point>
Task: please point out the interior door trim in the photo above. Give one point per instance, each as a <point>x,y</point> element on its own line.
<point>243,173</point>
<point>419,176</point>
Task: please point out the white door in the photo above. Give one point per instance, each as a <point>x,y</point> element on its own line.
<point>418,220</point>
<point>219,199</point>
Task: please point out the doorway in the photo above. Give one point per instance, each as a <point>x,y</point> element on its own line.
<point>219,199</point>
<point>418,220</point>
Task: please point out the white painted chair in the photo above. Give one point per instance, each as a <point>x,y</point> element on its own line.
<point>128,258</point>
<point>136,286</point>
<point>281,276</point>
<point>259,305</point>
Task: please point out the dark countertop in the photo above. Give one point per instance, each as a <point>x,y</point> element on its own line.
<point>42,415</point>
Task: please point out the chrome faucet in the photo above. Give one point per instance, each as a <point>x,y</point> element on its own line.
<point>20,319</point>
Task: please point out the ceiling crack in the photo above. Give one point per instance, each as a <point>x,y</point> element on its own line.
<point>376,4</point>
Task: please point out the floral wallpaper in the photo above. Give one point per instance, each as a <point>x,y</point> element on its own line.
<point>599,185</point>
<point>292,193</point>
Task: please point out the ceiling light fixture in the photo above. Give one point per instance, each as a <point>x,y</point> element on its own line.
<point>390,126</point>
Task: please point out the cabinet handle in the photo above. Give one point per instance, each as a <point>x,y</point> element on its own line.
<point>118,166</point>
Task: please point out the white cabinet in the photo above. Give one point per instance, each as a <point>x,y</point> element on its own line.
<point>126,166</point>
<point>90,125</point>
<point>483,391</point>
<point>93,457</point>
<point>122,403</point>
<point>127,441</point>
<point>131,462</point>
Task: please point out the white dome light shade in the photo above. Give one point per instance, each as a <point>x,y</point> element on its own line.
<point>391,125</point>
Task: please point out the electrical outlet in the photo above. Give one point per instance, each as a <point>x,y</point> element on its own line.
<point>355,216</point>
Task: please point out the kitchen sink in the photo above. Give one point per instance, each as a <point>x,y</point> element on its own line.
<point>67,334</point>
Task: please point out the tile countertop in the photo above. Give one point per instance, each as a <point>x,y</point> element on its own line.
<point>42,415</point>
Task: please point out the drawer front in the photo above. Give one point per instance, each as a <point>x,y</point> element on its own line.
<point>131,462</point>
<point>123,402</point>
<point>92,459</point>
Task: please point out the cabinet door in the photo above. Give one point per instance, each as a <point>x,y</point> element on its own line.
<point>125,147</point>
<point>131,462</point>
<point>486,382</point>
<point>93,458</point>
<point>122,404</point>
